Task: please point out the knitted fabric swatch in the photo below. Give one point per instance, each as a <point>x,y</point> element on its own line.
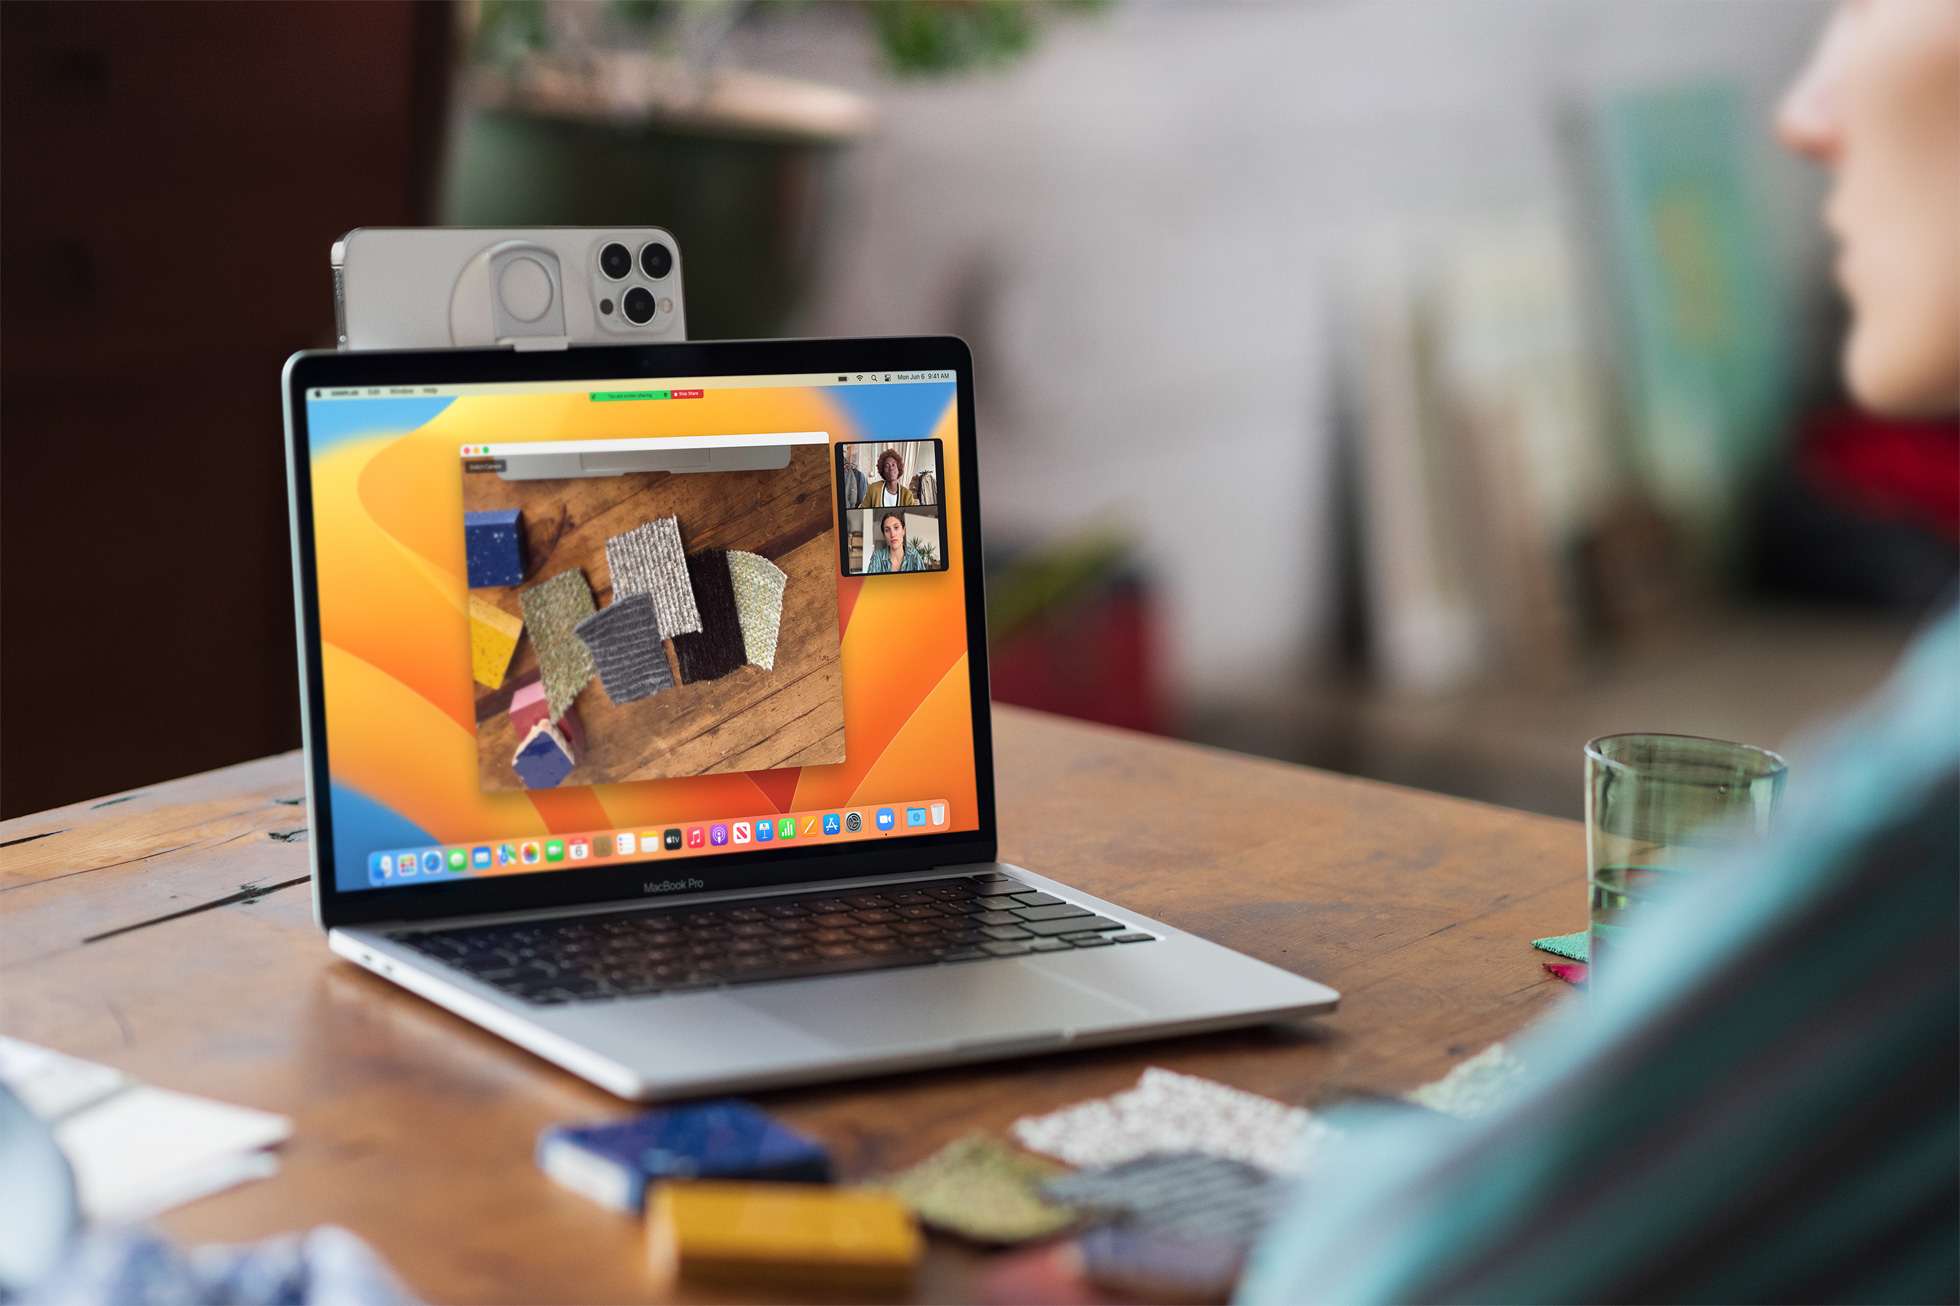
<point>759,603</point>
<point>1182,1194</point>
<point>552,610</point>
<point>717,648</point>
<point>1565,945</point>
<point>649,560</point>
<point>624,640</point>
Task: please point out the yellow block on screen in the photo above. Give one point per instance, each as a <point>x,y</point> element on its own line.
<point>782,1233</point>
<point>493,638</point>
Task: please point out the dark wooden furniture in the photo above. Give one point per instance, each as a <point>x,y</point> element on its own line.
<point>172,176</point>
<point>167,932</point>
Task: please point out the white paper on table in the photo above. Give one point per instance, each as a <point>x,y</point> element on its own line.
<point>136,1150</point>
<point>148,1149</point>
<point>52,1084</point>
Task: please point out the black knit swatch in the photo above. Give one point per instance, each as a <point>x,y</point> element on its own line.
<point>718,648</point>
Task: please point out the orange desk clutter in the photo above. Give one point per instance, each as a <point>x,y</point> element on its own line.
<point>167,933</point>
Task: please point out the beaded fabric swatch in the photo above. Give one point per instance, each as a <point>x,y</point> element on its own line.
<point>553,610</point>
<point>1169,1112</point>
<point>981,1188</point>
<point>717,648</point>
<point>649,560</point>
<point>624,640</point>
<point>759,603</point>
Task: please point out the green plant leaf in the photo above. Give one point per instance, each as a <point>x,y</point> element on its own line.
<point>941,36</point>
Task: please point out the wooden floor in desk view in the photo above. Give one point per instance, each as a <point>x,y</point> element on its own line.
<point>415,1129</point>
<point>750,720</point>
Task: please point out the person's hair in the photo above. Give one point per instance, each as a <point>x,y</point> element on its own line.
<point>887,516</point>
<point>889,453</point>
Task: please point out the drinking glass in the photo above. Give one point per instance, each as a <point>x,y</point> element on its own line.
<point>1657,807</point>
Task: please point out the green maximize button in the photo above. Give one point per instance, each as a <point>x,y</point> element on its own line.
<point>610,396</point>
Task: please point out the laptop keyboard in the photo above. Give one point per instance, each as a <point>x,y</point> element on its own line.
<point>634,954</point>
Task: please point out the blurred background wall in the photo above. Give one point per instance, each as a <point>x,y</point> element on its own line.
<point>1336,357</point>
<point>1148,232</point>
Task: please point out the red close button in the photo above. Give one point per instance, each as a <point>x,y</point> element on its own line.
<point>686,394</point>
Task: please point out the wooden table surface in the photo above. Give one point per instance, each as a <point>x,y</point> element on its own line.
<point>168,932</point>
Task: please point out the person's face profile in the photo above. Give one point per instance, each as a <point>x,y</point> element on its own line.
<point>894,532</point>
<point>1876,104</point>
<point>888,469</point>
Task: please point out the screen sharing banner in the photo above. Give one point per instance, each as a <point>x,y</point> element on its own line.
<point>564,623</point>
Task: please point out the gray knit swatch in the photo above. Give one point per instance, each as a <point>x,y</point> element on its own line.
<point>649,560</point>
<point>624,639</point>
<point>759,603</point>
<point>552,611</point>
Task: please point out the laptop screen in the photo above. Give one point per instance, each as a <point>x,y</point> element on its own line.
<point>674,623</point>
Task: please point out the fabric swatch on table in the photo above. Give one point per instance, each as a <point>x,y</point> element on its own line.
<point>649,559</point>
<point>1476,1087</point>
<point>1572,946</point>
<point>1572,972</point>
<point>1183,1194</point>
<point>553,609</point>
<point>980,1188</point>
<point>1150,1265</point>
<point>716,649</point>
<point>624,640</point>
<point>1169,1112</point>
<point>759,585</point>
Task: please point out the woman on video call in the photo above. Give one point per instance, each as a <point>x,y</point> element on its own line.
<point>886,492</point>
<point>897,555</point>
<point>1762,1101</point>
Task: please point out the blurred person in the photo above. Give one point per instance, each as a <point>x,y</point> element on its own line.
<point>1761,1102</point>
<point>886,492</point>
<point>897,555</point>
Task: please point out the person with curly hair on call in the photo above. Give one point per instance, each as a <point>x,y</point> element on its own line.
<point>886,492</point>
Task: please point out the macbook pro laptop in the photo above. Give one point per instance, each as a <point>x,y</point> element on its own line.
<point>647,720</point>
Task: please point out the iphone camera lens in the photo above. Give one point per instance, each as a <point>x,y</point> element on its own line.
<point>615,260</point>
<point>638,305</point>
<point>656,260</point>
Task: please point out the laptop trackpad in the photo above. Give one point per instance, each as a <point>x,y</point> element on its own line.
<point>941,1007</point>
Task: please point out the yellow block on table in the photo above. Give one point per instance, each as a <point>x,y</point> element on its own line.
<point>493,638</point>
<point>810,1234</point>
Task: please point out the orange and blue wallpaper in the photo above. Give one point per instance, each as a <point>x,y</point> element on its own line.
<point>395,643</point>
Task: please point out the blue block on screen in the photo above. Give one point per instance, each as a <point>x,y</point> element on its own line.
<point>493,542</point>
<point>542,762</point>
<point>613,1163</point>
